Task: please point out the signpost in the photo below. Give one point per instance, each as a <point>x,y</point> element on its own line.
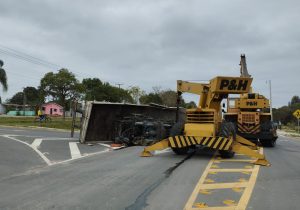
<point>297,115</point>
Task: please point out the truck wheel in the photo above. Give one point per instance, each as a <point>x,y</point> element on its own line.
<point>176,130</point>
<point>266,127</point>
<point>268,142</point>
<point>227,130</point>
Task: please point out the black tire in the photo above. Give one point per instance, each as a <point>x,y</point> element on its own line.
<point>176,130</point>
<point>268,142</point>
<point>266,127</point>
<point>227,130</point>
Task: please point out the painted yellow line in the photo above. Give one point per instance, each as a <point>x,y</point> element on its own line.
<point>248,191</point>
<point>249,186</point>
<point>193,197</point>
<point>237,160</point>
<point>223,185</point>
<point>216,208</point>
<point>230,170</point>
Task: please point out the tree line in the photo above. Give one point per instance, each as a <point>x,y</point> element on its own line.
<point>63,87</point>
<point>284,114</point>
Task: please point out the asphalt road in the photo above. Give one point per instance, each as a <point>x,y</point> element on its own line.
<point>48,170</point>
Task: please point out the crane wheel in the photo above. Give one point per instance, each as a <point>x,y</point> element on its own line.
<point>268,142</point>
<point>227,130</point>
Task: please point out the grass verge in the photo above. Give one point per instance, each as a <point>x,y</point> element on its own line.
<point>56,122</point>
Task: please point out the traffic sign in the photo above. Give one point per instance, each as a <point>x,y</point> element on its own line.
<point>297,113</point>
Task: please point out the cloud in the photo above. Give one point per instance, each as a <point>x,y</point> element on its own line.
<point>154,43</point>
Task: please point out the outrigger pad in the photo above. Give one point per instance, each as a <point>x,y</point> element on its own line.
<point>218,143</point>
<point>163,144</point>
<point>239,148</point>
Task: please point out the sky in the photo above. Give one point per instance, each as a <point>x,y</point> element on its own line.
<point>154,43</point>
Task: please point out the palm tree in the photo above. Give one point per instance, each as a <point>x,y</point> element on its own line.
<point>3,77</point>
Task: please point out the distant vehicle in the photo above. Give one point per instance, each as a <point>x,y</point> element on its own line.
<point>251,115</point>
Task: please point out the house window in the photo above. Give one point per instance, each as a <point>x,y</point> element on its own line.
<point>55,110</point>
<point>43,108</point>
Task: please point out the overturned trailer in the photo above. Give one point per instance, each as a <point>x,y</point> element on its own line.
<point>127,123</point>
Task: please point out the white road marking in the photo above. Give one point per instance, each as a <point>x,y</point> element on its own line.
<point>36,143</point>
<point>75,153</point>
<point>42,155</point>
<point>34,148</point>
<point>81,157</point>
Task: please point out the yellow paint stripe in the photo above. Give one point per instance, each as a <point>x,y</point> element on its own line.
<point>183,141</point>
<point>187,141</point>
<point>171,140</point>
<point>248,191</point>
<point>211,141</point>
<point>178,141</point>
<point>223,143</point>
<point>237,160</point>
<point>199,139</point>
<point>191,200</point>
<point>216,208</point>
<point>192,139</point>
<point>228,145</point>
<point>223,185</point>
<point>230,170</point>
<point>203,143</point>
<point>218,141</point>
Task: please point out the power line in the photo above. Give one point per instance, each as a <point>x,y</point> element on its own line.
<point>37,61</point>
<point>31,57</point>
<point>25,58</point>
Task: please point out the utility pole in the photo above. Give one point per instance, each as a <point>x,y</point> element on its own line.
<point>73,117</point>
<point>119,85</point>
<point>24,101</point>
<point>271,109</point>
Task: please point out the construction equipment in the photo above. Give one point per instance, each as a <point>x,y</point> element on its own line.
<point>250,114</point>
<point>204,125</point>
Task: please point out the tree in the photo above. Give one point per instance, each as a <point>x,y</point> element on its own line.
<point>3,77</point>
<point>295,100</point>
<point>169,98</point>
<point>18,98</point>
<point>95,89</point>
<point>32,96</point>
<point>62,86</point>
<point>136,93</point>
<point>150,98</point>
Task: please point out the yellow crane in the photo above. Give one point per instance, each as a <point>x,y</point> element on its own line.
<point>204,125</point>
<point>250,113</point>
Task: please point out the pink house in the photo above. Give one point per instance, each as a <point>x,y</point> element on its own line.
<point>52,108</point>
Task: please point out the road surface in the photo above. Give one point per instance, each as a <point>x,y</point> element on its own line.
<point>48,170</point>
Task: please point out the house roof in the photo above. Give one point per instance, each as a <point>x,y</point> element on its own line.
<point>52,103</point>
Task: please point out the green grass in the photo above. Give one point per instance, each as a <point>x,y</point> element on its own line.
<point>56,122</point>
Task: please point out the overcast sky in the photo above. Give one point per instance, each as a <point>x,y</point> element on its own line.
<point>154,42</point>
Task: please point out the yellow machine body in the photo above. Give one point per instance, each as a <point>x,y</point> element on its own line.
<point>203,123</point>
<point>251,114</point>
